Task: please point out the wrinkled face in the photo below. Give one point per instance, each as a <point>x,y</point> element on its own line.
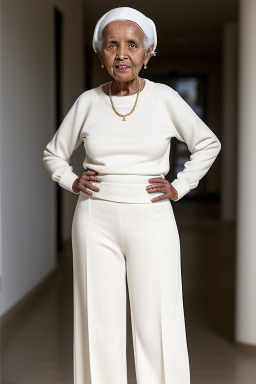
<point>123,51</point>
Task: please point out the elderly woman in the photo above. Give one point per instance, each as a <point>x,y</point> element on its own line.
<point>124,224</point>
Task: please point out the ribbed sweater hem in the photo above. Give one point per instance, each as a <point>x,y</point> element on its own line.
<point>133,190</point>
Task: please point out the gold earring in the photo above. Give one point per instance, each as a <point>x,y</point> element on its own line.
<point>145,66</point>
<point>102,65</point>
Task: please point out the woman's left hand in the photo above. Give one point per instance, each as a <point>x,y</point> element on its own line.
<point>162,185</point>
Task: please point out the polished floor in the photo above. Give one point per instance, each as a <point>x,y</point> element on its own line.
<point>36,345</point>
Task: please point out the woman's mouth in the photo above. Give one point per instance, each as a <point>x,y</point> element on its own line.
<point>122,68</point>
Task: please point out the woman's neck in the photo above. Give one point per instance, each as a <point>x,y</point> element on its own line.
<point>119,88</point>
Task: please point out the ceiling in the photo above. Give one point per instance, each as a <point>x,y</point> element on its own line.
<point>185,28</point>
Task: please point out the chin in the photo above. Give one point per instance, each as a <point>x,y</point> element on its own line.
<point>124,76</point>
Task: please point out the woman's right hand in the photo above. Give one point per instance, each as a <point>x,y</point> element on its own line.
<point>83,182</point>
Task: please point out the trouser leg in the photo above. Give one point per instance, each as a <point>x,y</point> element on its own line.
<point>152,248</point>
<point>99,294</point>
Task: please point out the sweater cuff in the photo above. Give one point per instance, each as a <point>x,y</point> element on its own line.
<point>67,181</point>
<point>181,187</point>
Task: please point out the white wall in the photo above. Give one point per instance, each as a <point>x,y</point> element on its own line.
<point>27,124</point>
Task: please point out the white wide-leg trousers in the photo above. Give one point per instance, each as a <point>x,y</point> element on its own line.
<point>111,240</point>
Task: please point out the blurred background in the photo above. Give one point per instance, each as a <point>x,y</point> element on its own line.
<point>206,51</point>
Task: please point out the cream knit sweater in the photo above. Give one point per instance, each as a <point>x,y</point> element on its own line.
<point>138,146</point>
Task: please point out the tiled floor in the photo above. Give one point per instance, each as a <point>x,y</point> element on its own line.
<point>36,346</point>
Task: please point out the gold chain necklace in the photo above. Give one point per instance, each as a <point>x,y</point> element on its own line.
<point>119,114</point>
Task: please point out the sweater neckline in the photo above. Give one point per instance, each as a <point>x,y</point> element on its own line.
<point>129,99</point>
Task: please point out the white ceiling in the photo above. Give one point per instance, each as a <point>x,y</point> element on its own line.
<point>184,27</point>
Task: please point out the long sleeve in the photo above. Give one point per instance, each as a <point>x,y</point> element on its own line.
<point>201,141</point>
<point>59,150</point>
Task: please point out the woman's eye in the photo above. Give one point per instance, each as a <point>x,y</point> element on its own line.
<point>114,45</point>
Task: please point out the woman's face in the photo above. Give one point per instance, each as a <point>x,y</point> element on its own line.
<point>123,39</point>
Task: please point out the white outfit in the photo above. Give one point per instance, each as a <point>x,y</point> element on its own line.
<point>112,238</point>
<point>138,146</point>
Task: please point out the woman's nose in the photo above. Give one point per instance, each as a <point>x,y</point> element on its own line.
<point>121,52</point>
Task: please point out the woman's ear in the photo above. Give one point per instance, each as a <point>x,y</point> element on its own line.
<point>101,60</point>
<point>148,54</point>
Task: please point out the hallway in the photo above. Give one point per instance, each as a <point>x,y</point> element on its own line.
<point>37,342</point>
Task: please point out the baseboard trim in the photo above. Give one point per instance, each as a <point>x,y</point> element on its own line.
<point>245,347</point>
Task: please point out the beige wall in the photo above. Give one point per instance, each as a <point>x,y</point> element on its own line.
<point>28,249</point>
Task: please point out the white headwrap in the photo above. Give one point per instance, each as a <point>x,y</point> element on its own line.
<point>131,14</point>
